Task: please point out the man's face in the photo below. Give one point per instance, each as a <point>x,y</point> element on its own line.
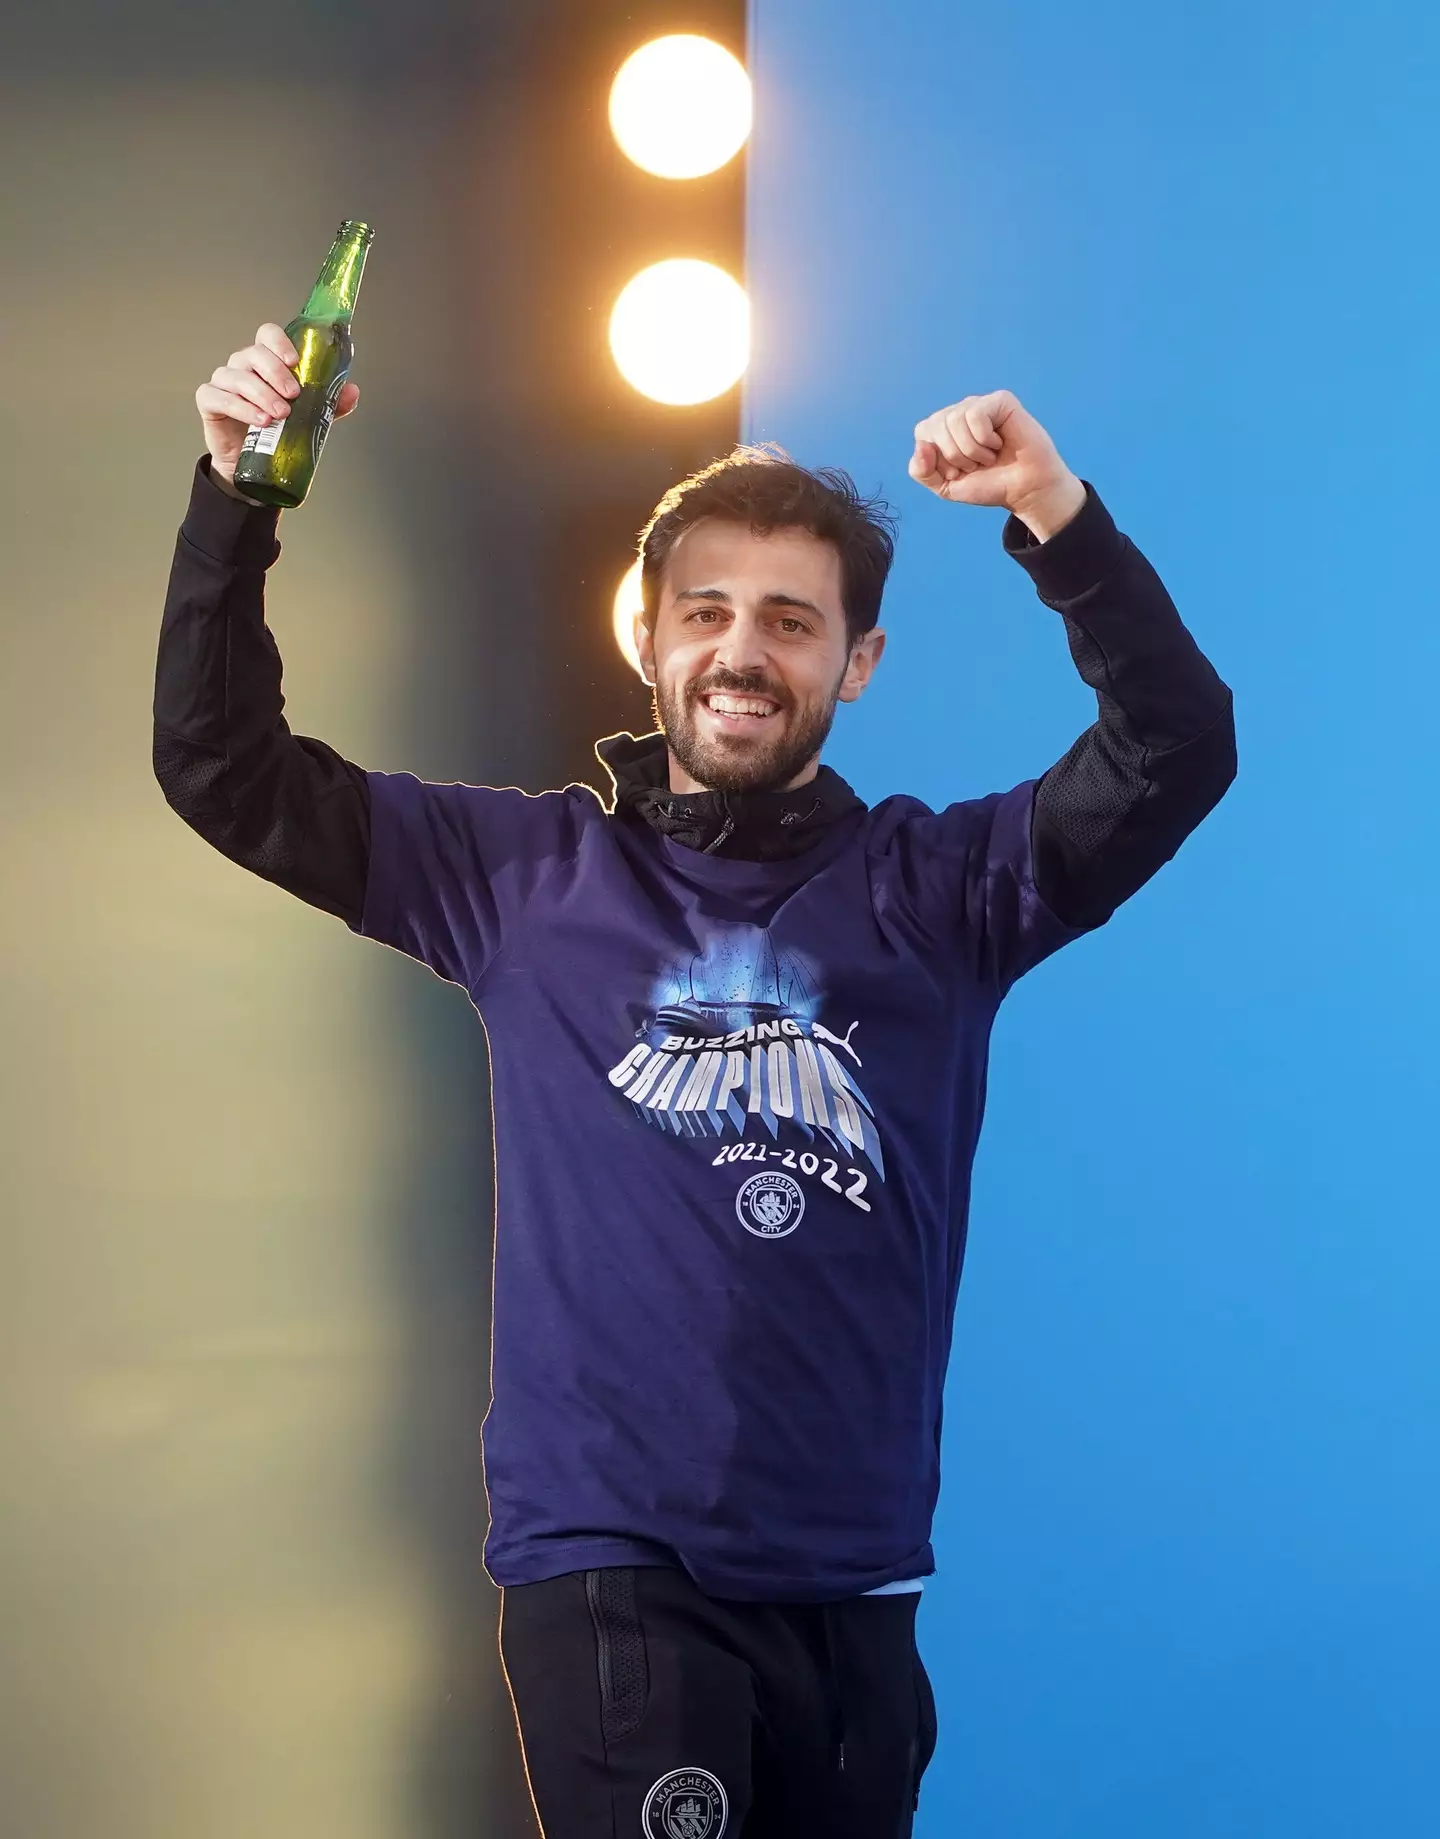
<point>749,657</point>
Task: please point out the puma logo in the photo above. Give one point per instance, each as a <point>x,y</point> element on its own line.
<point>824,1034</point>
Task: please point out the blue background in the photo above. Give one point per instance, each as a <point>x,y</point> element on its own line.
<point>1188,1537</point>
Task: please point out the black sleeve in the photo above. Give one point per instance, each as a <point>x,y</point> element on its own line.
<point>1133,787</point>
<point>286,807</point>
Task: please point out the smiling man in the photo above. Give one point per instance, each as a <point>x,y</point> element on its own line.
<point>738,1025</point>
<point>752,670</point>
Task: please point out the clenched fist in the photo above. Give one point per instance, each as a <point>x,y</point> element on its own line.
<point>987,450</point>
<point>256,386</point>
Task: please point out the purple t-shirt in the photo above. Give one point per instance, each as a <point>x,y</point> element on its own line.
<point>735,1109</point>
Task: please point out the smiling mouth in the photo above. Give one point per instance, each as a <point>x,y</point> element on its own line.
<point>741,711</point>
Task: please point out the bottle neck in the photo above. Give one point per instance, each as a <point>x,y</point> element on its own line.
<point>333,295</point>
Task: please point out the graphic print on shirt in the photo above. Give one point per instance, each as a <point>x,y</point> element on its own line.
<point>732,1048</point>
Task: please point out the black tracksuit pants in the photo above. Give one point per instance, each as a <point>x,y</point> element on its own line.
<point>649,1710</point>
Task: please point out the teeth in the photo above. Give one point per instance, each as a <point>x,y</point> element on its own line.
<point>735,705</point>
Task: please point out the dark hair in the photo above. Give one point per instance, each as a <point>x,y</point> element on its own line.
<point>763,487</point>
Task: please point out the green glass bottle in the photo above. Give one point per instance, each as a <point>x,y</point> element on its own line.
<point>277,463</point>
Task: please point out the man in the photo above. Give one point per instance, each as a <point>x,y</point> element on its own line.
<point>738,1028</point>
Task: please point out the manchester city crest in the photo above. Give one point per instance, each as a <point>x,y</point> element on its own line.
<point>686,1804</point>
<point>770,1204</point>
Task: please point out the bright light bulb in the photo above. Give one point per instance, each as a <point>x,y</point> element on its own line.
<point>628,602</point>
<point>680,106</point>
<point>680,331</point>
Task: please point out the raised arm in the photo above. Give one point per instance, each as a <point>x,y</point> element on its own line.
<point>286,807</point>
<point>1162,753</point>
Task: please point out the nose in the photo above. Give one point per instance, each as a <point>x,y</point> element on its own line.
<point>741,647</point>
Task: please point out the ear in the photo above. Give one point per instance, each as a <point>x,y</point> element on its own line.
<point>644,648</point>
<point>864,656</point>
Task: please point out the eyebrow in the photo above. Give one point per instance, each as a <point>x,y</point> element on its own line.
<point>766,600</point>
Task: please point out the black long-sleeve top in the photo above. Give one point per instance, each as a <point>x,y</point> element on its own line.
<point>735,1103</point>
<point>291,809</point>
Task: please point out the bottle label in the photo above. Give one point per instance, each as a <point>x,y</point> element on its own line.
<point>263,440</point>
<point>327,415</point>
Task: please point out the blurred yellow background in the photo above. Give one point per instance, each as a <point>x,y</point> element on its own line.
<point>246,1199</point>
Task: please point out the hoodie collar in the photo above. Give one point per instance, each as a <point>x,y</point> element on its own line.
<point>754,826</point>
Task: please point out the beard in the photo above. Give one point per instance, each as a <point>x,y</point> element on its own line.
<point>737,763</point>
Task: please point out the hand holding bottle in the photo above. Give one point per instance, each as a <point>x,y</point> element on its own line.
<point>255,386</point>
<point>267,412</point>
